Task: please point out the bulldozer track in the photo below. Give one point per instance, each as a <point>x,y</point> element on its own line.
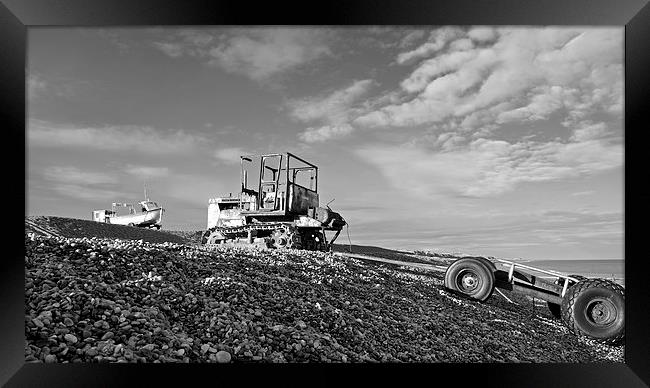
<point>299,237</point>
<point>240,231</point>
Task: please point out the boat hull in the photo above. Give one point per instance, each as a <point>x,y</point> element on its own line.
<point>145,219</point>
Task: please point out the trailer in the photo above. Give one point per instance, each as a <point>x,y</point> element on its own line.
<point>589,307</point>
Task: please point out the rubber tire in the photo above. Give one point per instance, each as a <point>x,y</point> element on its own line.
<point>487,262</point>
<point>131,224</point>
<point>577,300</point>
<point>477,267</point>
<point>556,309</point>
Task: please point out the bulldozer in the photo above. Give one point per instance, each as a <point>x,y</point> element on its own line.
<point>279,209</point>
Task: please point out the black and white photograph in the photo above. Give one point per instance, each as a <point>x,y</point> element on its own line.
<point>324,194</point>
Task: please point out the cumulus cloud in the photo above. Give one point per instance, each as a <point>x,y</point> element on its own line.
<point>257,53</point>
<point>488,167</point>
<point>437,40</point>
<point>482,34</point>
<point>588,131</point>
<point>326,132</point>
<point>411,38</point>
<point>516,74</point>
<point>334,106</point>
<point>111,138</point>
<point>333,110</point>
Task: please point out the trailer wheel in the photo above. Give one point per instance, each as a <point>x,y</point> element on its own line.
<point>484,260</point>
<point>556,309</point>
<point>595,308</point>
<point>470,277</point>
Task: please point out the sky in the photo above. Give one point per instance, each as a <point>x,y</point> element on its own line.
<point>499,141</point>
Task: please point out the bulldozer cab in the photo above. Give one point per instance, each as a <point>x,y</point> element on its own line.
<point>278,184</point>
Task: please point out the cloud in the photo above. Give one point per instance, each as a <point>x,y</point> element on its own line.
<point>411,38</point>
<point>556,233</point>
<point>488,167</point>
<point>87,193</point>
<point>75,183</point>
<point>515,74</point>
<point>39,85</point>
<point>326,132</point>
<point>35,85</point>
<point>449,141</point>
<point>257,53</point>
<point>333,107</point>
<point>113,36</point>
<point>482,34</point>
<point>111,138</point>
<point>230,155</point>
<point>588,131</point>
<point>437,40</point>
<point>173,50</point>
<point>332,110</point>
<point>583,193</point>
<point>74,175</point>
<point>267,52</point>
<point>146,171</point>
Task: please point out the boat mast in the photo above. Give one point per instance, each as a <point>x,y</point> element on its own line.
<point>145,191</point>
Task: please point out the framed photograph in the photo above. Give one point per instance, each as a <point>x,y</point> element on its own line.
<point>383,190</point>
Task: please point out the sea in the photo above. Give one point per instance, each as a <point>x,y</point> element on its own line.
<point>612,269</point>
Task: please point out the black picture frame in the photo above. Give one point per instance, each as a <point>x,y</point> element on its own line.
<point>17,16</point>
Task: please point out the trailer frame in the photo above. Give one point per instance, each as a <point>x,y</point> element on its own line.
<point>590,307</point>
<point>533,285</point>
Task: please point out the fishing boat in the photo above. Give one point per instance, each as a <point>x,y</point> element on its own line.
<point>148,216</point>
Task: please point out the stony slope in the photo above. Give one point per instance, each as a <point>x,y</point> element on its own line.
<point>74,227</point>
<point>108,300</point>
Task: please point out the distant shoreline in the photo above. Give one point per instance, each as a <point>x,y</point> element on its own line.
<point>612,269</point>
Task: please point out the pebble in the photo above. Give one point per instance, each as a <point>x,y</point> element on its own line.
<point>108,335</point>
<point>223,357</point>
<point>260,307</point>
<point>150,347</point>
